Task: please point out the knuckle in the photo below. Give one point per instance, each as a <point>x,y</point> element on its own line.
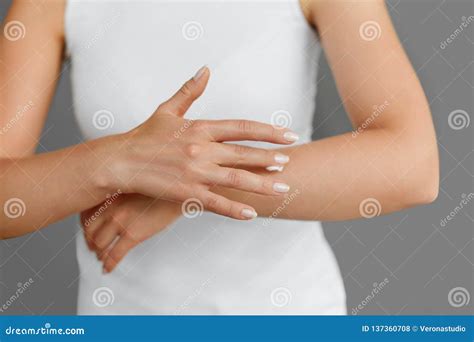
<point>185,90</point>
<point>267,185</point>
<point>241,150</point>
<point>245,126</point>
<point>212,203</point>
<point>121,215</point>
<point>229,209</point>
<point>129,235</point>
<point>234,178</point>
<point>193,150</point>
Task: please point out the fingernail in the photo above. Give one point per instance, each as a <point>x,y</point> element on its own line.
<point>273,168</point>
<point>281,187</point>
<point>249,213</point>
<point>290,136</point>
<point>104,270</point>
<point>281,158</point>
<point>200,72</point>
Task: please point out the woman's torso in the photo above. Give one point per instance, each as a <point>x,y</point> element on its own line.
<point>127,58</point>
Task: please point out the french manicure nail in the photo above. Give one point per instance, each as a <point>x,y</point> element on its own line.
<point>281,158</point>
<point>273,168</point>
<point>200,72</point>
<point>290,136</point>
<point>281,187</point>
<point>248,213</point>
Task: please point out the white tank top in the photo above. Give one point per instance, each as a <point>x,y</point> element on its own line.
<point>127,58</point>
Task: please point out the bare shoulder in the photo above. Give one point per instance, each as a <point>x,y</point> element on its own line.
<point>320,13</point>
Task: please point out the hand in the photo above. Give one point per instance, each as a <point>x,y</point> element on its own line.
<point>174,159</point>
<point>125,223</point>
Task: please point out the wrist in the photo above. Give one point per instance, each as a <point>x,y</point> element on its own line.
<point>109,164</point>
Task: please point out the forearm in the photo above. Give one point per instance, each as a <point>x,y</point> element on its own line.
<point>330,178</point>
<point>41,189</point>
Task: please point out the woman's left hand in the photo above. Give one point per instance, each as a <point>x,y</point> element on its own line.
<point>126,222</point>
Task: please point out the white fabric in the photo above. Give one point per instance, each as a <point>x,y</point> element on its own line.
<point>127,58</point>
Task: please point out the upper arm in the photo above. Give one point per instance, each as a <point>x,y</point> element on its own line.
<point>31,48</point>
<point>369,64</point>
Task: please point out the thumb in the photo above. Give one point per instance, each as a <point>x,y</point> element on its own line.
<point>180,102</point>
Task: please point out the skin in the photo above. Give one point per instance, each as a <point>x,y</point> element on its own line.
<point>393,159</point>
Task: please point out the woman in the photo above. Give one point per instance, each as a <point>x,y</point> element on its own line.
<point>141,169</point>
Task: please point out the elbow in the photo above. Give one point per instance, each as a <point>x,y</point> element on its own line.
<point>423,186</point>
<point>425,192</point>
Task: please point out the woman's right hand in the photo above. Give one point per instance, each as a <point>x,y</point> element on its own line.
<point>175,159</point>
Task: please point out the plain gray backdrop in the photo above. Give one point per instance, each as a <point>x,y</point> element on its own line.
<point>428,266</point>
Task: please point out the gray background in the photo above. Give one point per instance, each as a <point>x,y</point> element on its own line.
<point>421,260</point>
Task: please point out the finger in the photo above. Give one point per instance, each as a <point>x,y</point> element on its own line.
<point>238,155</point>
<point>104,237</point>
<point>237,130</point>
<point>225,207</point>
<point>120,249</point>
<point>180,102</point>
<point>90,223</point>
<point>247,181</point>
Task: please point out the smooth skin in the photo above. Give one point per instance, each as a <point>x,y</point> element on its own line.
<point>393,159</point>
